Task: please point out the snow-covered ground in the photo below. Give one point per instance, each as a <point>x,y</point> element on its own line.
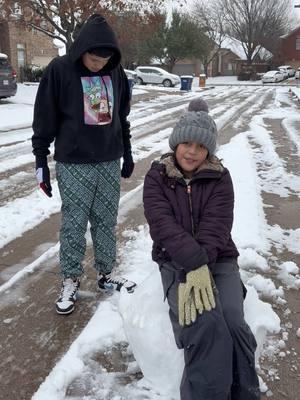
<point>141,319</point>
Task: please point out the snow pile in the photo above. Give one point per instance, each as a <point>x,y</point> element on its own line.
<point>149,331</point>
<point>94,337</point>
<point>289,274</point>
<point>261,318</point>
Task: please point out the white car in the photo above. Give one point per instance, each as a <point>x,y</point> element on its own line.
<point>297,74</point>
<point>131,74</point>
<point>272,77</point>
<point>284,72</point>
<point>288,69</point>
<point>156,76</point>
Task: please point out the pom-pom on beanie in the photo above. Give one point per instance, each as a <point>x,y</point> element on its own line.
<point>195,126</point>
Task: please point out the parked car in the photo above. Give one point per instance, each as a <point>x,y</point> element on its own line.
<point>297,74</point>
<point>288,68</point>
<point>272,76</point>
<point>132,79</point>
<point>284,72</point>
<point>8,78</point>
<point>155,75</point>
<point>131,74</point>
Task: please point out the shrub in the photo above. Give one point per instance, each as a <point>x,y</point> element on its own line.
<point>31,73</point>
<point>244,76</point>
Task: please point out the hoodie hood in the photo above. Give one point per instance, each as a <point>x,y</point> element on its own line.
<point>96,32</point>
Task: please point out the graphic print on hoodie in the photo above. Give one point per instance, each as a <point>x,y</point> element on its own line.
<point>98,99</point>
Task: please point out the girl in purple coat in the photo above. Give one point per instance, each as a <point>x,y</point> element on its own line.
<point>188,201</point>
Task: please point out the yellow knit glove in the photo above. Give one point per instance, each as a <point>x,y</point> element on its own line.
<point>195,294</point>
<point>186,306</point>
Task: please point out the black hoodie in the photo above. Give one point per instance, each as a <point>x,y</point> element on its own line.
<point>84,112</point>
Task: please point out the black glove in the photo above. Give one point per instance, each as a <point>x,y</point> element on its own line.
<point>128,165</point>
<point>43,176</point>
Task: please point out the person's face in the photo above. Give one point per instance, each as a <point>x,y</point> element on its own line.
<point>93,62</point>
<point>190,155</point>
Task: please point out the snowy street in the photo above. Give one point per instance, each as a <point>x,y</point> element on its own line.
<point>117,347</point>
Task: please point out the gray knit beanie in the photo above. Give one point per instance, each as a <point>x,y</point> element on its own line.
<point>195,126</point>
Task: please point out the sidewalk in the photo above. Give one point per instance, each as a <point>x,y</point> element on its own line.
<point>232,80</point>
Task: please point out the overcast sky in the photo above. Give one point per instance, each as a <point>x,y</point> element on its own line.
<point>297,10</point>
<point>190,3</point>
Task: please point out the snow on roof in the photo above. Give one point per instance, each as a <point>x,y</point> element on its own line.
<point>236,47</point>
<point>291,32</point>
<point>2,55</point>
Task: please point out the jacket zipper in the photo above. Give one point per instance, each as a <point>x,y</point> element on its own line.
<point>189,192</point>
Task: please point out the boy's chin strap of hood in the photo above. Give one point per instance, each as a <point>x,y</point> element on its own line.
<point>96,33</point>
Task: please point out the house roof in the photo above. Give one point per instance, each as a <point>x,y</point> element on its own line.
<point>236,47</point>
<point>291,33</point>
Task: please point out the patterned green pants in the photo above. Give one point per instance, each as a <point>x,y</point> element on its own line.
<point>89,192</point>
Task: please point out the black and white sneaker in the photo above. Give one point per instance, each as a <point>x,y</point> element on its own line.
<point>109,282</point>
<point>66,302</point>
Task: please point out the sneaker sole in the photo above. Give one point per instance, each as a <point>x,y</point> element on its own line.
<point>131,290</point>
<point>66,312</point>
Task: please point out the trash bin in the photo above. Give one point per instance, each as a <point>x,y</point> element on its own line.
<point>202,80</point>
<point>131,84</point>
<point>186,82</point>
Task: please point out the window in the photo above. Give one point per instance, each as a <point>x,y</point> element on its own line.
<point>146,70</point>
<point>3,62</point>
<point>21,55</point>
<point>298,43</point>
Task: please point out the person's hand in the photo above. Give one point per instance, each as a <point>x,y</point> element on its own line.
<point>195,292</point>
<point>43,177</point>
<point>186,306</point>
<point>128,166</point>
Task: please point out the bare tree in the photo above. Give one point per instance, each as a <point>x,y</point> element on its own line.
<point>60,19</point>
<point>211,19</point>
<point>252,22</point>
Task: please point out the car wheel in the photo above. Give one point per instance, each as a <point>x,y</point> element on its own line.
<point>167,83</point>
<point>139,81</point>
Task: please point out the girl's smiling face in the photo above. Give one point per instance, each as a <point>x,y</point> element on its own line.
<point>190,155</point>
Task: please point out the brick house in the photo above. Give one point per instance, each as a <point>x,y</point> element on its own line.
<point>289,49</point>
<point>224,63</point>
<point>25,46</point>
<point>229,60</point>
<point>187,67</point>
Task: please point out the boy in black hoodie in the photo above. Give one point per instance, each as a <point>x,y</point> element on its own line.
<point>82,105</point>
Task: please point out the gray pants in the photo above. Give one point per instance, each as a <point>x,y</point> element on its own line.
<point>89,193</point>
<point>219,347</point>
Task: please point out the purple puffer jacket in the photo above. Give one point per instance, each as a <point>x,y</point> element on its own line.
<point>190,222</point>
